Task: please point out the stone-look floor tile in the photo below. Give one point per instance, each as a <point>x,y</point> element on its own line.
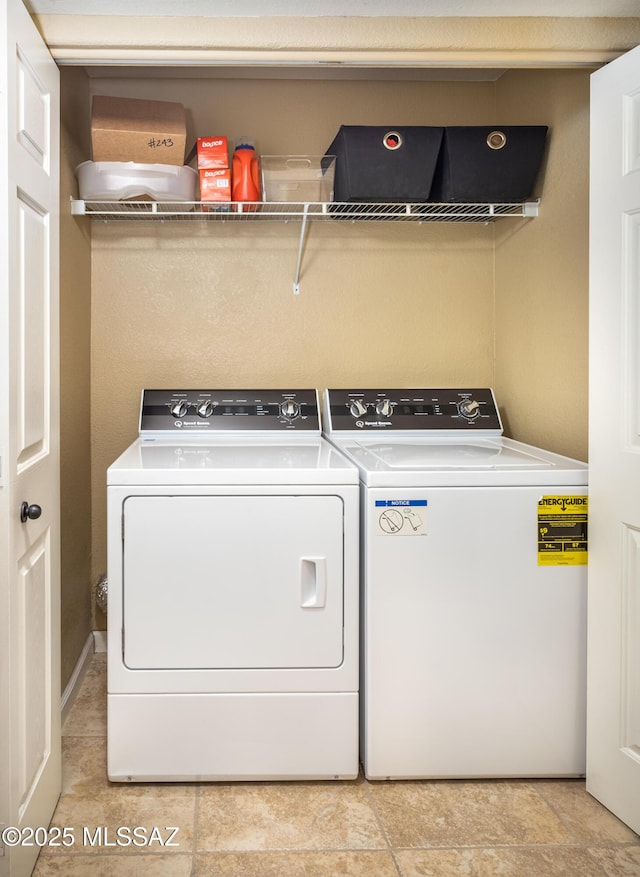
<point>94,824</point>
<point>537,828</point>
<point>456,813</point>
<point>287,816</point>
<point>84,773</point>
<point>114,866</point>
<point>505,862</point>
<point>89,801</point>
<point>590,822</point>
<point>84,765</point>
<point>88,714</point>
<point>618,862</point>
<point>340,864</point>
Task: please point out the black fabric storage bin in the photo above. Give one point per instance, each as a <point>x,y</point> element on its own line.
<point>488,164</point>
<point>376,163</point>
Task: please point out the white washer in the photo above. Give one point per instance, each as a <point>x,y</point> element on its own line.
<point>233,592</point>
<point>473,589</point>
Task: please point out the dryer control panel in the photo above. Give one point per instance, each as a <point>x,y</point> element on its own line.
<point>414,409</point>
<point>213,411</point>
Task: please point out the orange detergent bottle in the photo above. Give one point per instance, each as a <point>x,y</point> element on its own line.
<point>245,174</point>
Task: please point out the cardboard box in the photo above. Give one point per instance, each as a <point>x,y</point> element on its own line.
<point>215,184</point>
<point>213,152</point>
<point>144,131</point>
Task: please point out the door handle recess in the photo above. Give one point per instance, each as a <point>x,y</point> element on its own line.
<point>313,582</point>
<point>29,512</point>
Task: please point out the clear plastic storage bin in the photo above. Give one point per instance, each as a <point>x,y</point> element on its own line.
<point>298,178</point>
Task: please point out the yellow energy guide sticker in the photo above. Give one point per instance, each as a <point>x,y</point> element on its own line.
<point>562,530</point>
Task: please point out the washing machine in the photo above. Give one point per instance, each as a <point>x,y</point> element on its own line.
<point>233,592</point>
<point>473,588</point>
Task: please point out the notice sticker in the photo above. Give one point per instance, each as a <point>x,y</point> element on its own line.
<point>562,530</point>
<point>401,517</point>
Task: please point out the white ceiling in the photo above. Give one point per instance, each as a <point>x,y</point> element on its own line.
<point>258,8</point>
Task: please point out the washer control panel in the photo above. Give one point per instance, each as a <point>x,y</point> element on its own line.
<point>420,409</point>
<point>207,411</point>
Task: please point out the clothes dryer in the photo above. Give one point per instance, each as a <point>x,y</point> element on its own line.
<point>233,592</point>
<point>473,588</point>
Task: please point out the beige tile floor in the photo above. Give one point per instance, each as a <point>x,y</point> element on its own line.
<point>540,828</point>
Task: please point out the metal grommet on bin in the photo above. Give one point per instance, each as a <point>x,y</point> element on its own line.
<point>496,139</point>
<point>392,140</point>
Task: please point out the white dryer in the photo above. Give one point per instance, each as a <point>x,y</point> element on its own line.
<point>233,592</point>
<point>473,588</point>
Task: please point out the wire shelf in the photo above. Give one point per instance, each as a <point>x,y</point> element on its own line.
<point>303,213</point>
<point>292,211</point>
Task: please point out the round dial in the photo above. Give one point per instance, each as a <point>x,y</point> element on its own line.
<point>206,408</point>
<point>469,408</point>
<point>358,408</point>
<point>384,408</point>
<point>180,408</point>
<point>289,408</point>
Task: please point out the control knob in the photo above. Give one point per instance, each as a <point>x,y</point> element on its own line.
<point>179,408</point>
<point>289,408</point>
<point>469,408</point>
<point>206,408</point>
<point>384,408</point>
<point>358,408</point>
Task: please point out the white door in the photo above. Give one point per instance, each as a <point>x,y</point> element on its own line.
<point>29,446</point>
<point>613,698</point>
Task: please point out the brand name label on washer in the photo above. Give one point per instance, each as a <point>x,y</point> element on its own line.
<point>401,517</point>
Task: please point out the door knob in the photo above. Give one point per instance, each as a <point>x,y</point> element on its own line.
<point>29,512</point>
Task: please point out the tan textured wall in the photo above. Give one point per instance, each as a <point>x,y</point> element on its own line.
<point>379,303</point>
<point>75,383</point>
<point>212,305</point>
<point>542,271</point>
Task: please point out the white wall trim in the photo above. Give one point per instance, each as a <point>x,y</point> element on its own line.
<point>73,685</point>
<point>141,56</point>
<point>100,640</point>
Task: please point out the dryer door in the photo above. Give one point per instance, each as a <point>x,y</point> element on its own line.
<point>232,582</point>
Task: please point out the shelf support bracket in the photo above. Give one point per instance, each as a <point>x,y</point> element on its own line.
<point>303,233</point>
